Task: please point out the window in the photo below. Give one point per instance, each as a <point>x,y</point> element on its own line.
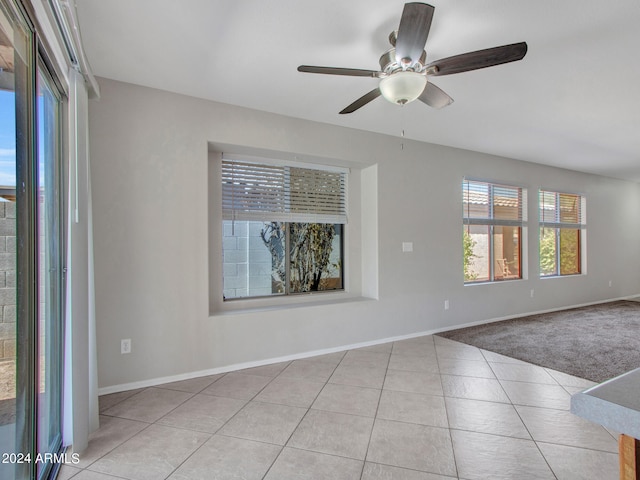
<point>493,221</point>
<point>562,221</point>
<point>283,229</point>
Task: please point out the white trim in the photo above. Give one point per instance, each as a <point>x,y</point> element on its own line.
<point>48,32</point>
<point>259,363</point>
<point>528,314</point>
<point>286,302</point>
<point>500,183</point>
<point>67,19</point>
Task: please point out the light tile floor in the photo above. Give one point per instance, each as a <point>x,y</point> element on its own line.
<point>421,409</point>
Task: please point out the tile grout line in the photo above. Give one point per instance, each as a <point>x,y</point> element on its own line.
<point>211,435</point>
<point>117,446</point>
<point>301,418</point>
<point>524,424</point>
<point>375,415</point>
<point>149,424</point>
<point>446,411</point>
<point>448,414</point>
<point>191,430</point>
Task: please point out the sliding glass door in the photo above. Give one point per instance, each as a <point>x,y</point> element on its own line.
<point>49,274</point>
<point>31,259</point>
<point>16,148</point>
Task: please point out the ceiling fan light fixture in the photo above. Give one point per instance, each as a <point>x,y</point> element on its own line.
<point>403,87</point>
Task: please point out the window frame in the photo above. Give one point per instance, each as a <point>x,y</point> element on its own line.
<point>491,222</point>
<point>40,246</point>
<point>557,225</point>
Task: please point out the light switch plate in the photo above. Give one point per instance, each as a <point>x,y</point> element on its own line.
<point>407,246</point>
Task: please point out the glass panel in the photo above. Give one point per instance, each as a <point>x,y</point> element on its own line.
<point>506,203</point>
<point>569,208</point>
<point>49,276</point>
<point>253,258</point>
<point>475,199</point>
<point>272,237</point>
<point>315,257</point>
<point>13,90</point>
<point>569,251</point>
<point>476,253</point>
<point>30,326</point>
<point>547,202</point>
<point>506,252</point>
<point>548,252</point>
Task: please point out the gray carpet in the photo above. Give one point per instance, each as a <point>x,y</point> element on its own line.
<point>595,342</point>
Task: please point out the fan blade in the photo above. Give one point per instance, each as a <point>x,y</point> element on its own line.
<point>435,97</point>
<point>478,59</point>
<point>351,72</point>
<point>413,31</point>
<point>362,101</point>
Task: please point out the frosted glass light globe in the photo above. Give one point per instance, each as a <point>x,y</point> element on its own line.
<point>403,87</point>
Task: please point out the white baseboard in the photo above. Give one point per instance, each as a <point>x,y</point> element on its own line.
<point>241,366</point>
<point>259,363</point>
<point>527,314</point>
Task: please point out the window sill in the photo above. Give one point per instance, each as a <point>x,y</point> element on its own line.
<point>494,282</point>
<point>573,275</point>
<point>285,303</point>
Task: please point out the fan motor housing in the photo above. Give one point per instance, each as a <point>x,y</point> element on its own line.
<point>388,63</point>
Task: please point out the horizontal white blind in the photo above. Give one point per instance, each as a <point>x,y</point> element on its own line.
<point>561,210</point>
<point>253,191</point>
<point>493,204</point>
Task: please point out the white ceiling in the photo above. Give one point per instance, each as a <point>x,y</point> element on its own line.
<point>572,102</point>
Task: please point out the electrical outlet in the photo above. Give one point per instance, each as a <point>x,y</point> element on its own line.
<point>125,345</point>
<point>610,283</point>
<point>532,293</point>
<point>446,304</point>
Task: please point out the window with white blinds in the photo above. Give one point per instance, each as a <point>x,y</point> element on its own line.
<point>255,191</point>
<point>494,218</point>
<point>283,228</point>
<point>562,218</point>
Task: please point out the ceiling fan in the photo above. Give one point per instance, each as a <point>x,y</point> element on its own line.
<point>403,70</point>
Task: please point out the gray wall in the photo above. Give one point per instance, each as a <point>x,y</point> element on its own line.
<point>157,241</point>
